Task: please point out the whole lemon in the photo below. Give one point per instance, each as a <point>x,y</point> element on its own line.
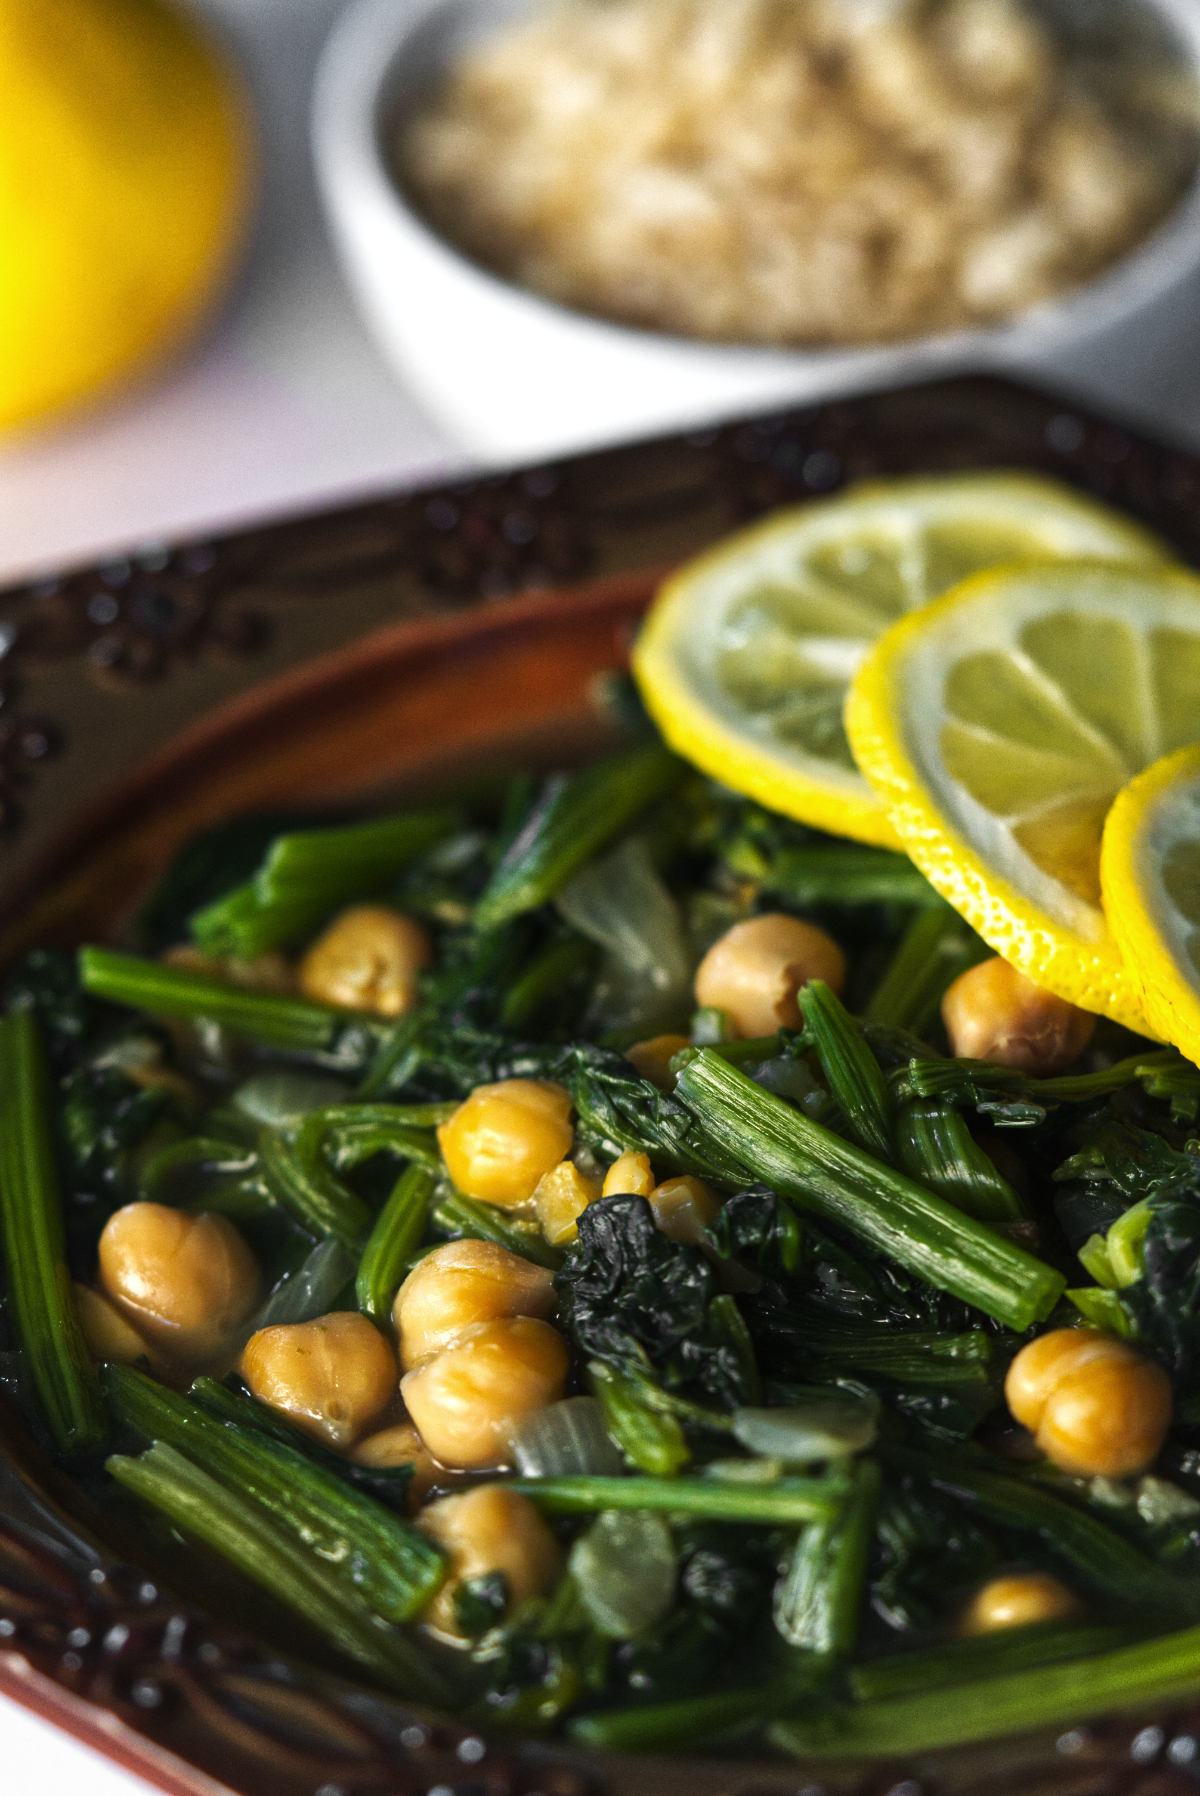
<point>127,165</point>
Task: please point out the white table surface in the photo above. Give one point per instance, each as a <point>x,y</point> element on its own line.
<point>287,404</point>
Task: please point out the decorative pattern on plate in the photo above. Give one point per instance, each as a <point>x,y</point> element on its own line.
<point>131,620</point>
<point>24,744</point>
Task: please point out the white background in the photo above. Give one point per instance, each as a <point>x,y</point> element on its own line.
<point>287,403</point>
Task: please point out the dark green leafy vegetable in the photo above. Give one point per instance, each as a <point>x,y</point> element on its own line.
<point>1076,1537</point>
<point>935,948</point>
<point>851,1070</point>
<point>1042,1697</point>
<point>653,1727</point>
<point>783,1501</point>
<point>812,1167</point>
<point>279,1022</point>
<point>1163,1305</point>
<point>395,1569</point>
<point>823,871</point>
<point>305,877</point>
<point>820,1599</point>
<point>46,981</point>
<point>629,1294</point>
<point>242,1529</point>
<point>571,822</point>
<point>40,1292</point>
<point>305,1186</point>
<point>790,1475</point>
<point>962,1661</point>
<point>618,1110</point>
<point>651,1439</point>
<point>456,1217</point>
<point>103,1113</point>
<point>929,1555</point>
<point>980,1082</point>
<point>936,1147</point>
<point>393,1240</point>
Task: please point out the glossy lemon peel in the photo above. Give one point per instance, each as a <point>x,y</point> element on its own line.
<point>747,652</point>
<point>1025,874</point>
<point>1153,831</point>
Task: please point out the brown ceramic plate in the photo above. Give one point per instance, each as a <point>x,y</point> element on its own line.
<point>456,629</point>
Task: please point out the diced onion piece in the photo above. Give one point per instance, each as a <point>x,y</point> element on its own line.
<point>625,1570</point>
<point>566,1440</point>
<point>281,1097</point>
<point>311,1291</point>
<point>620,902</point>
<point>827,1425</point>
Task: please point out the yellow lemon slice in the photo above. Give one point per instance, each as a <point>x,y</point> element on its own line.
<point>1150,879</point>
<point>998,726</point>
<point>747,652</point>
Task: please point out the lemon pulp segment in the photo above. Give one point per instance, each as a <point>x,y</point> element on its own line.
<point>1150,878</point>
<point>748,651</point>
<point>998,726</point>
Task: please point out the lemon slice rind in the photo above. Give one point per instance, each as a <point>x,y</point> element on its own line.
<point>675,660</point>
<point>1155,812</point>
<point>898,719</point>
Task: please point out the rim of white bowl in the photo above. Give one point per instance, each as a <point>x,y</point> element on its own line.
<point>352,97</point>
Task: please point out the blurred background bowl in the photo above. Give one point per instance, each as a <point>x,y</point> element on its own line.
<point>512,376</point>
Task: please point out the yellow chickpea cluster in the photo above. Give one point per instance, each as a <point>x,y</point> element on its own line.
<point>478,1356</point>
<point>174,1289</point>
<point>477,1351</point>
<point>367,959</point>
<point>332,1377</point>
<point>757,968</point>
<point>501,1143</point>
<point>993,1012</point>
<point>1095,1406</point>
<point>1017,1600</point>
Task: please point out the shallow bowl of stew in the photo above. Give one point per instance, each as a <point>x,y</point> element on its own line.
<point>150,1650</point>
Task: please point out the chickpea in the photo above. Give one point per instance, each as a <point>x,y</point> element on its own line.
<point>1095,1406</point>
<point>367,959</point>
<point>490,1529</point>
<point>684,1208</point>
<point>467,1399</point>
<point>185,1283</point>
<point>756,968</point>
<point>399,1446</point>
<point>562,1195</point>
<point>107,1333</point>
<point>1017,1600</point>
<point>992,1012</point>
<point>332,1377</point>
<point>652,1059</point>
<point>459,1284</point>
<point>630,1172</point>
<point>506,1137</point>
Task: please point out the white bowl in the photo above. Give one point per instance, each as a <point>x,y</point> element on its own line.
<point>514,377</point>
